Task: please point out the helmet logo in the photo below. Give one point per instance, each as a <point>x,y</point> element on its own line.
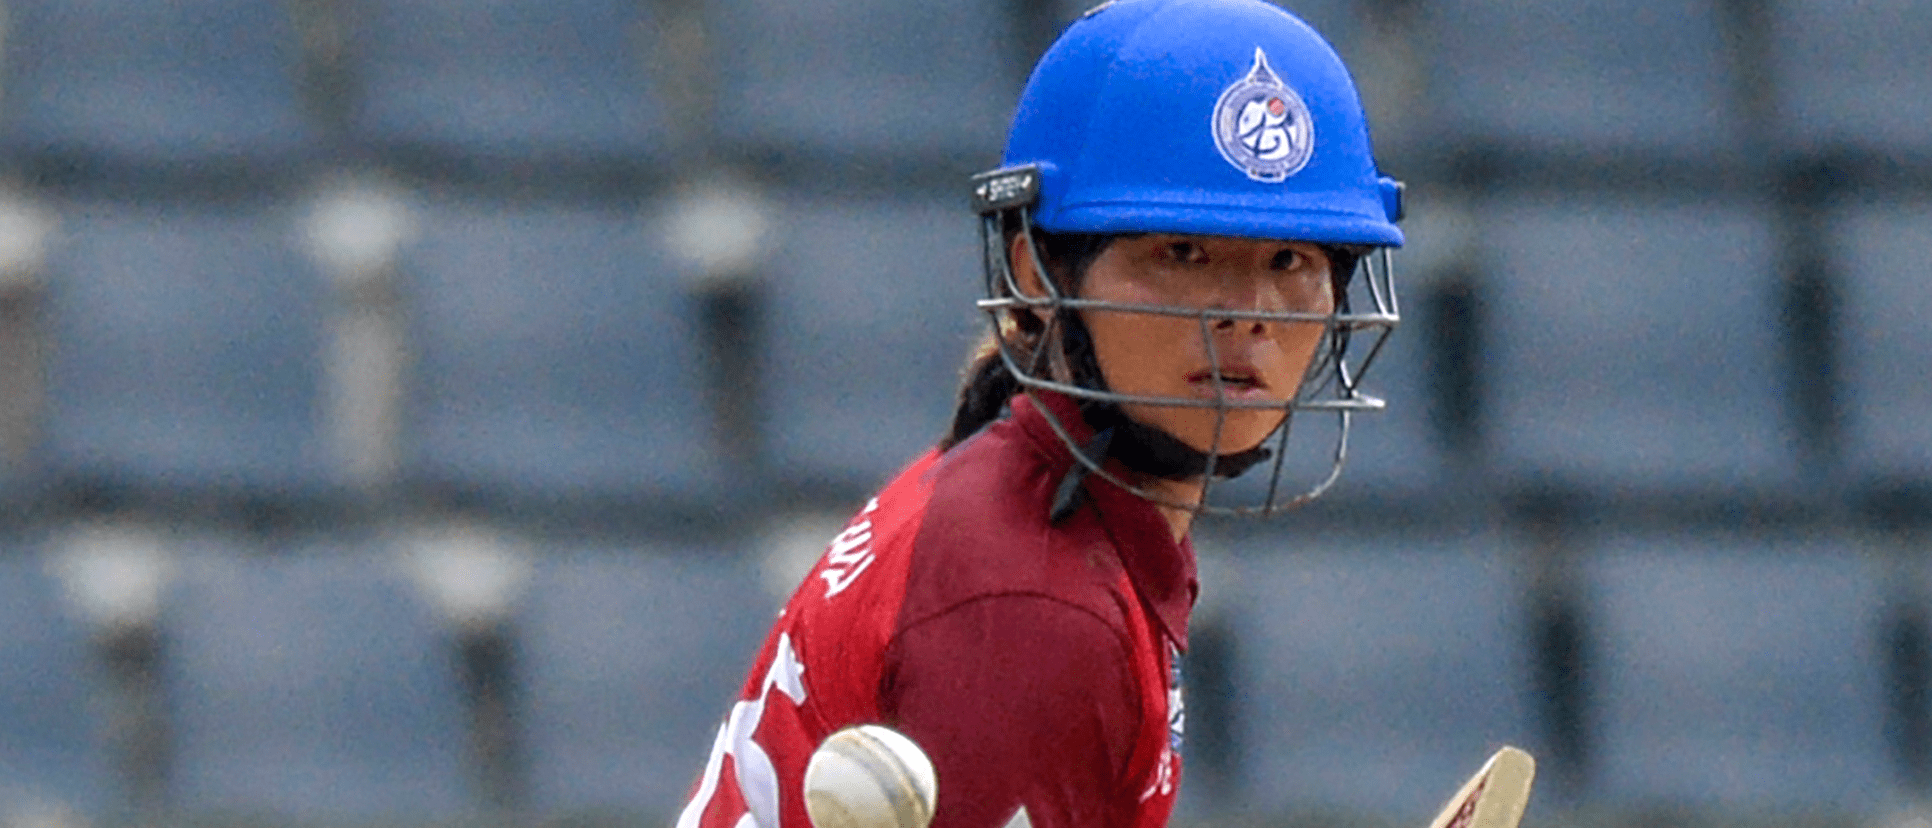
<point>1262,127</point>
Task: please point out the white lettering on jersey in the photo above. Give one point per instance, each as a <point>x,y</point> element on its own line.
<point>1167,771</point>
<point>757,779</point>
<point>1164,775</point>
<point>850,553</point>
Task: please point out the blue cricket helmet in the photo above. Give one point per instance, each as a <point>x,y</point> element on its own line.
<point>1204,117</point>
<point>1216,117</point>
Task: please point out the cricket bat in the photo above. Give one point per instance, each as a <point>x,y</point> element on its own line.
<point>1495,796</point>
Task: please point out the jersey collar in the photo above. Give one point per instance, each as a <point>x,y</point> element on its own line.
<point>1161,569</point>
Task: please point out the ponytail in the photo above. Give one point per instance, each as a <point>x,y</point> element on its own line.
<point>986,385</point>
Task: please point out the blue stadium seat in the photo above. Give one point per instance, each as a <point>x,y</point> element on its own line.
<point>1403,450</point>
<point>635,656</point>
<point>187,348</point>
<point>867,79</point>
<point>1854,73</point>
<point>1337,20</point>
<point>1739,673</point>
<point>1886,339</point>
<point>557,356</point>
<point>870,318</point>
<point>1397,451</point>
<point>50,747</point>
<point>312,687</point>
<point>186,82</point>
<point>1376,672</point>
<point>1581,76</point>
<point>1635,343</point>
<point>509,79</point>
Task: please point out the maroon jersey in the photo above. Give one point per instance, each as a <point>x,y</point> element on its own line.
<point>1034,663</point>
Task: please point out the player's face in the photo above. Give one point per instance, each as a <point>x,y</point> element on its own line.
<point>1168,356</point>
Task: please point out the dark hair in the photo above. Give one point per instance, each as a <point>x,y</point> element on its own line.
<point>985,383</point>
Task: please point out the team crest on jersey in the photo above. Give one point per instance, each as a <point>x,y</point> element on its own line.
<point>1262,127</point>
<point>1167,769</point>
<point>1176,701</point>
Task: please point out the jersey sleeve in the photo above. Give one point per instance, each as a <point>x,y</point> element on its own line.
<point>1019,700</point>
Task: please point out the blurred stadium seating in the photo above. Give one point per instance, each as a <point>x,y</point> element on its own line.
<point>1854,75</point>
<point>508,80</point>
<point>1368,663</point>
<point>1887,341</point>
<point>311,685</point>
<point>1584,79</point>
<point>1636,345</point>
<point>153,87</point>
<point>1592,220</point>
<point>51,750</point>
<point>866,82</point>
<point>870,310</point>
<point>1396,450</point>
<point>186,349</point>
<point>1739,672</point>
<point>557,357</point>
<point>635,657</point>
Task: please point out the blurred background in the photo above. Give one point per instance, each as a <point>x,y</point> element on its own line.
<point>412,412</point>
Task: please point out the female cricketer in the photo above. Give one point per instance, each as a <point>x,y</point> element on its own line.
<point>1187,245</point>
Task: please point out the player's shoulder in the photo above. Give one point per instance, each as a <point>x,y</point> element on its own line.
<point>985,532</point>
<point>878,538</point>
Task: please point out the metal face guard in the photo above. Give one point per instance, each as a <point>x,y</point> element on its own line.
<point>1331,387</point>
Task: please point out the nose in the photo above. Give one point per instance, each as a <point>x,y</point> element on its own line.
<point>1247,293</point>
<point>1255,327</point>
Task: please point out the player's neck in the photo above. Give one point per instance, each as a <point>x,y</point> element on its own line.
<point>1177,491</point>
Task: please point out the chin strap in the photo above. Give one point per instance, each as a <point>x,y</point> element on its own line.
<point>1066,496</point>
<point>1143,449</point>
<point>1156,453</point>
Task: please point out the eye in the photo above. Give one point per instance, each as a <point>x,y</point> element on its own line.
<point>1289,259</point>
<point>1185,251</point>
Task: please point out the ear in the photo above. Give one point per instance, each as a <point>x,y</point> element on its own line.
<point>1026,272</point>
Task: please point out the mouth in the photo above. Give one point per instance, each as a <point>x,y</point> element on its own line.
<point>1235,380</point>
